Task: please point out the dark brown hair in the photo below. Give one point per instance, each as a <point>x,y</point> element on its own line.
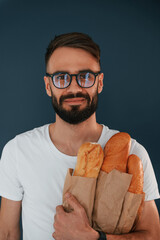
<point>74,40</point>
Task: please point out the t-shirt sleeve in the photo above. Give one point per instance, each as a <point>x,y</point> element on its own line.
<point>150,187</point>
<point>10,186</point>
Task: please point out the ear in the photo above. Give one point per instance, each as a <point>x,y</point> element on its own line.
<point>47,86</point>
<point>100,82</point>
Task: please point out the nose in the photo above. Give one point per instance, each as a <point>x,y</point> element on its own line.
<point>74,87</point>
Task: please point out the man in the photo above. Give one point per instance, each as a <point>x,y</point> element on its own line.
<point>34,164</point>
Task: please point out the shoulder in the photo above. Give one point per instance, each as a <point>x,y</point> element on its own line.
<point>33,135</point>
<point>26,139</point>
<point>36,132</point>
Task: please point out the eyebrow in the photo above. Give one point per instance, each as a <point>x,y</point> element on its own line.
<point>83,70</point>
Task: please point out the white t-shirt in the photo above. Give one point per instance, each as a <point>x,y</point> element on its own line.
<point>33,170</point>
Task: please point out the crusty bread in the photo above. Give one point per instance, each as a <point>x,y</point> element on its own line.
<point>89,160</point>
<point>135,167</point>
<point>116,152</point>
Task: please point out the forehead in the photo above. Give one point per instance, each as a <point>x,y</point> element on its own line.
<point>71,60</point>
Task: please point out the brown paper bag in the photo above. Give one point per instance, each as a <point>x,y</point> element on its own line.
<point>110,192</point>
<point>115,209</point>
<point>83,189</point>
<point>129,212</point>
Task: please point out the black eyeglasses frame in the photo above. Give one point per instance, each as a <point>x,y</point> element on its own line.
<point>71,75</point>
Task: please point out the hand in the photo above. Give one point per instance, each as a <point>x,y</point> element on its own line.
<point>73,225</point>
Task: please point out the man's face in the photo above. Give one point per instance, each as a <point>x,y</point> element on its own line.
<point>73,104</point>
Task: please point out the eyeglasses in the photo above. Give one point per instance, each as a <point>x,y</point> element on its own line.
<point>85,79</point>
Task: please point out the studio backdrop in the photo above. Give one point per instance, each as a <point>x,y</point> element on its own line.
<point>128,33</point>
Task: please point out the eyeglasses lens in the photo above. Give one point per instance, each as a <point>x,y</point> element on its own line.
<point>61,80</point>
<point>86,79</point>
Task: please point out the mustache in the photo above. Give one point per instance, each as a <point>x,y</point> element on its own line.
<point>76,95</point>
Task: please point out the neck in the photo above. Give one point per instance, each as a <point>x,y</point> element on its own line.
<point>68,137</point>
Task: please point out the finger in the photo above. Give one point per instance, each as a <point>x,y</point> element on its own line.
<point>54,235</point>
<point>55,217</point>
<point>55,226</point>
<point>59,209</point>
<point>72,201</point>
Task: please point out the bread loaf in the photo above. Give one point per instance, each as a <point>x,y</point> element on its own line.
<point>89,160</point>
<point>135,167</point>
<point>116,152</point>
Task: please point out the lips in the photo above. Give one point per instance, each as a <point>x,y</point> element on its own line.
<point>74,101</point>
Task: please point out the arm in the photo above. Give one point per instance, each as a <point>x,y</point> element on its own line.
<point>10,219</point>
<point>148,227</point>
<point>75,225</point>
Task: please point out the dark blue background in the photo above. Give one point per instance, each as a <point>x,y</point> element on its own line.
<point>128,33</point>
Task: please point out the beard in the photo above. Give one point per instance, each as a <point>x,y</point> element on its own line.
<point>75,115</point>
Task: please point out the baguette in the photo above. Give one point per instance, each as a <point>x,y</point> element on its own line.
<point>116,152</point>
<point>89,160</point>
<point>135,167</point>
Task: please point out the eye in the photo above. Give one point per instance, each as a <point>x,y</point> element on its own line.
<point>61,80</point>
<point>61,77</point>
<point>85,76</point>
<point>82,75</point>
